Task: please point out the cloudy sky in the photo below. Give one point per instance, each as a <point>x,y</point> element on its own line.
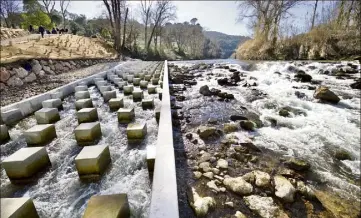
<point>213,15</point>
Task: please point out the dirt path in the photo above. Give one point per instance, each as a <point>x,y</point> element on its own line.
<point>15,94</point>
<point>24,38</point>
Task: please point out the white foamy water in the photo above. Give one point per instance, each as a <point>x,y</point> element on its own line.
<point>313,137</point>
<point>59,192</point>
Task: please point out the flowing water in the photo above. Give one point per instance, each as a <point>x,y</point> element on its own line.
<point>313,136</point>
<point>58,192</point>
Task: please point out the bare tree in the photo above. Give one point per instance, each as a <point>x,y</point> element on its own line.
<point>124,30</point>
<point>114,15</point>
<point>63,8</point>
<point>314,14</point>
<point>164,11</point>
<point>7,9</point>
<point>49,7</point>
<point>146,13</point>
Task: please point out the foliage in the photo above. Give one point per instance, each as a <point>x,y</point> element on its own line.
<point>37,18</point>
<point>75,28</point>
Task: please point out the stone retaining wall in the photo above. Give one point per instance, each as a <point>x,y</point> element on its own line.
<point>27,71</point>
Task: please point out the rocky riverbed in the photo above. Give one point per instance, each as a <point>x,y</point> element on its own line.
<point>268,139</point>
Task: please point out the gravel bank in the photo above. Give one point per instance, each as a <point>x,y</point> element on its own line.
<point>41,85</point>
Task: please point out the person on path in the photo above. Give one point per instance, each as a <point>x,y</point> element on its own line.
<point>41,30</point>
<point>53,31</point>
<point>31,28</point>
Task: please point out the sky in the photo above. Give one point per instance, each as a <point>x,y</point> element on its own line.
<point>218,16</point>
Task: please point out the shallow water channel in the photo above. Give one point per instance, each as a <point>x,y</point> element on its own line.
<point>313,136</point>
<point>58,192</point>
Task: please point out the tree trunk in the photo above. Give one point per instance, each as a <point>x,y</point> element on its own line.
<point>124,28</point>
<point>348,14</point>
<point>314,15</point>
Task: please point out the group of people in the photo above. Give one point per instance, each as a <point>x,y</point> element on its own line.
<point>42,30</point>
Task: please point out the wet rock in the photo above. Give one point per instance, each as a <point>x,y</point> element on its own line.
<point>195,141</point>
<point>238,117</point>
<point>230,127</point>
<point>300,94</point>
<point>215,170</point>
<point>356,85</point>
<point>206,132</point>
<point>342,154</point>
<point>305,190</point>
<point>238,185</point>
<point>197,174</point>
<point>297,164</point>
<point>249,177</point>
<point>247,125</point>
<point>301,76</point>
<point>239,214</point>
<point>286,172</point>
<point>284,189</point>
<point>208,175</point>
<point>323,93</point>
<point>250,146</point>
<point>265,207</point>
<point>222,164</point>
<point>215,91</point>
<point>292,68</point>
<point>204,90</point>
<point>212,120</point>
<point>2,86</point>
<point>205,157</point>
<point>278,73</point>
<point>189,136</point>
<point>212,185</point>
<point>262,178</point>
<point>200,205</point>
<point>284,113</point>
<point>205,166</point>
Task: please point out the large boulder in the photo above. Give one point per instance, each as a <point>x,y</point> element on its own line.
<point>356,84</point>
<point>30,78</point>
<point>265,207</point>
<point>21,73</point>
<point>15,81</point>
<point>238,185</point>
<point>323,93</point>
<point>297,164</point>
<point>284,189</point>
<point>301,76</point>
<point>204,90</point>
<point>200,205</point>
<point>206,132</point>
<point>35,67</point>
<point>4,74</point>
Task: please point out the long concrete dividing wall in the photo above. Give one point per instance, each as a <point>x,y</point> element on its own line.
<point>164,201</point>
<point>30,105</point>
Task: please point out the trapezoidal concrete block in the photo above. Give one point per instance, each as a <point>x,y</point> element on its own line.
<point>121,84</point>
<point>109,206</point>
<point>103,89</point>
<point>130,78</point>
<point>87,133</point>
<point>53,103</point>
<point>81,88</point>
<point>87,115</point>
<point>155,81</point>
<point>157,113</point>
<point>25,163</point>
<point>107,95</point>
<point>143,84</point>
<point>12,116</point>
<point>18,208</point>
<point>40,134</point>
<point>125,76</point>
<point>136,130</point>
<point>92,161</point>
<point>57,94</point>
<point>151,89</point>
<point>4,133</point>
<point>126,115</point>
<point>128,89</point>
<point>83,103</point>
<point>117,80</point>
<point>115,103</point>
<point>136,81</point>
<point>100,83</point>
<point>151,153</point>
<point>137,95</point>
<point>156,75</point>
<point>95,80</point>
<point>147,104</point>
<point>147,77</point>
<point>47,115</point>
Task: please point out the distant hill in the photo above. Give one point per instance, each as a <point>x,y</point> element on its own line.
<point>227,43</point>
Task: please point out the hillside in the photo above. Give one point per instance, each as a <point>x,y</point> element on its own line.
<point>56,47</point>
<point>227,43</point>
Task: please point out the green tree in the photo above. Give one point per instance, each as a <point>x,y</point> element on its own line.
<point>37,18</point>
